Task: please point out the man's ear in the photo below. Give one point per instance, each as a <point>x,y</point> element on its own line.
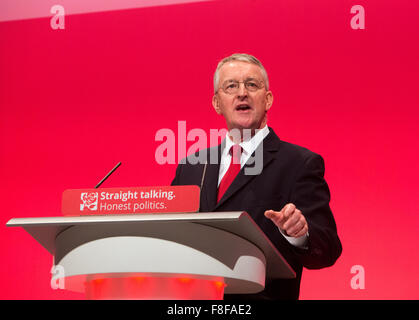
<point>269,100</point>
<point>216,104</point>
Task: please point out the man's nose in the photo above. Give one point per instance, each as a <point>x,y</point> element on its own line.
<point>242,92</point>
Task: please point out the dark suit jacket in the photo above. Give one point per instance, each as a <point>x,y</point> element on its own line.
<point>291,174</point>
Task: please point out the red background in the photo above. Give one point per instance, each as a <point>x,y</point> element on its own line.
<point>74,102</point>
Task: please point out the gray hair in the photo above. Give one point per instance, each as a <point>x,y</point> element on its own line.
<point>244,57</point>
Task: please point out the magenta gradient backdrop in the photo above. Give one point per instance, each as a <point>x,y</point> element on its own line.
<point>74,102</point>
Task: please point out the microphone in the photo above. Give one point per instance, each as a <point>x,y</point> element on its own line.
<point>202,183</point>
<point>107,176</point>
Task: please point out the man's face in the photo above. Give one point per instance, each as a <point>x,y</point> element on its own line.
<point>243,109</point>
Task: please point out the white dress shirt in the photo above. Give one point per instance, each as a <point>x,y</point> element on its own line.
<point>248,147</point>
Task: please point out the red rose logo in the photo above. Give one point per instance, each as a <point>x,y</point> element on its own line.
<point>89,201</point>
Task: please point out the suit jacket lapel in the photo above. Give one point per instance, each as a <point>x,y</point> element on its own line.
<point>210,185</point>
<point>270,145</point>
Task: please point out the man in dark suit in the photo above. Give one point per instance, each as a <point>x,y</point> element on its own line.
<point>287,196</point>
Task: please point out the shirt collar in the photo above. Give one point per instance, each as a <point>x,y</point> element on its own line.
<point>250,145</point>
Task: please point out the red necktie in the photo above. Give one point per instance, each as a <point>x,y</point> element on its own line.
<point>232,171</point>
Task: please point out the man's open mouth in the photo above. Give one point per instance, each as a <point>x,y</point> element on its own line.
<point>243,107</point>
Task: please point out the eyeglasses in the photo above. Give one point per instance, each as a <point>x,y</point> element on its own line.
<point>232,86</point>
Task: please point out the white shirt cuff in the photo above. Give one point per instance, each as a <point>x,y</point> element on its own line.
<point>300,242</point>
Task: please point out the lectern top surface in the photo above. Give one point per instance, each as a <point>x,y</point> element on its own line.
<point>76,220</point>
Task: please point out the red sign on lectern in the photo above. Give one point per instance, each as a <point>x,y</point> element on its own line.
<point>136,200</point>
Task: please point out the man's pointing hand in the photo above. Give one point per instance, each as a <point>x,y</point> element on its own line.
<point>290,220</point>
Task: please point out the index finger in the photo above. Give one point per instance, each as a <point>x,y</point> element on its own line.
<point>277,216</point>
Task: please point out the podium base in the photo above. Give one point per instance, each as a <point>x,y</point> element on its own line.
<point>153,288</point>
